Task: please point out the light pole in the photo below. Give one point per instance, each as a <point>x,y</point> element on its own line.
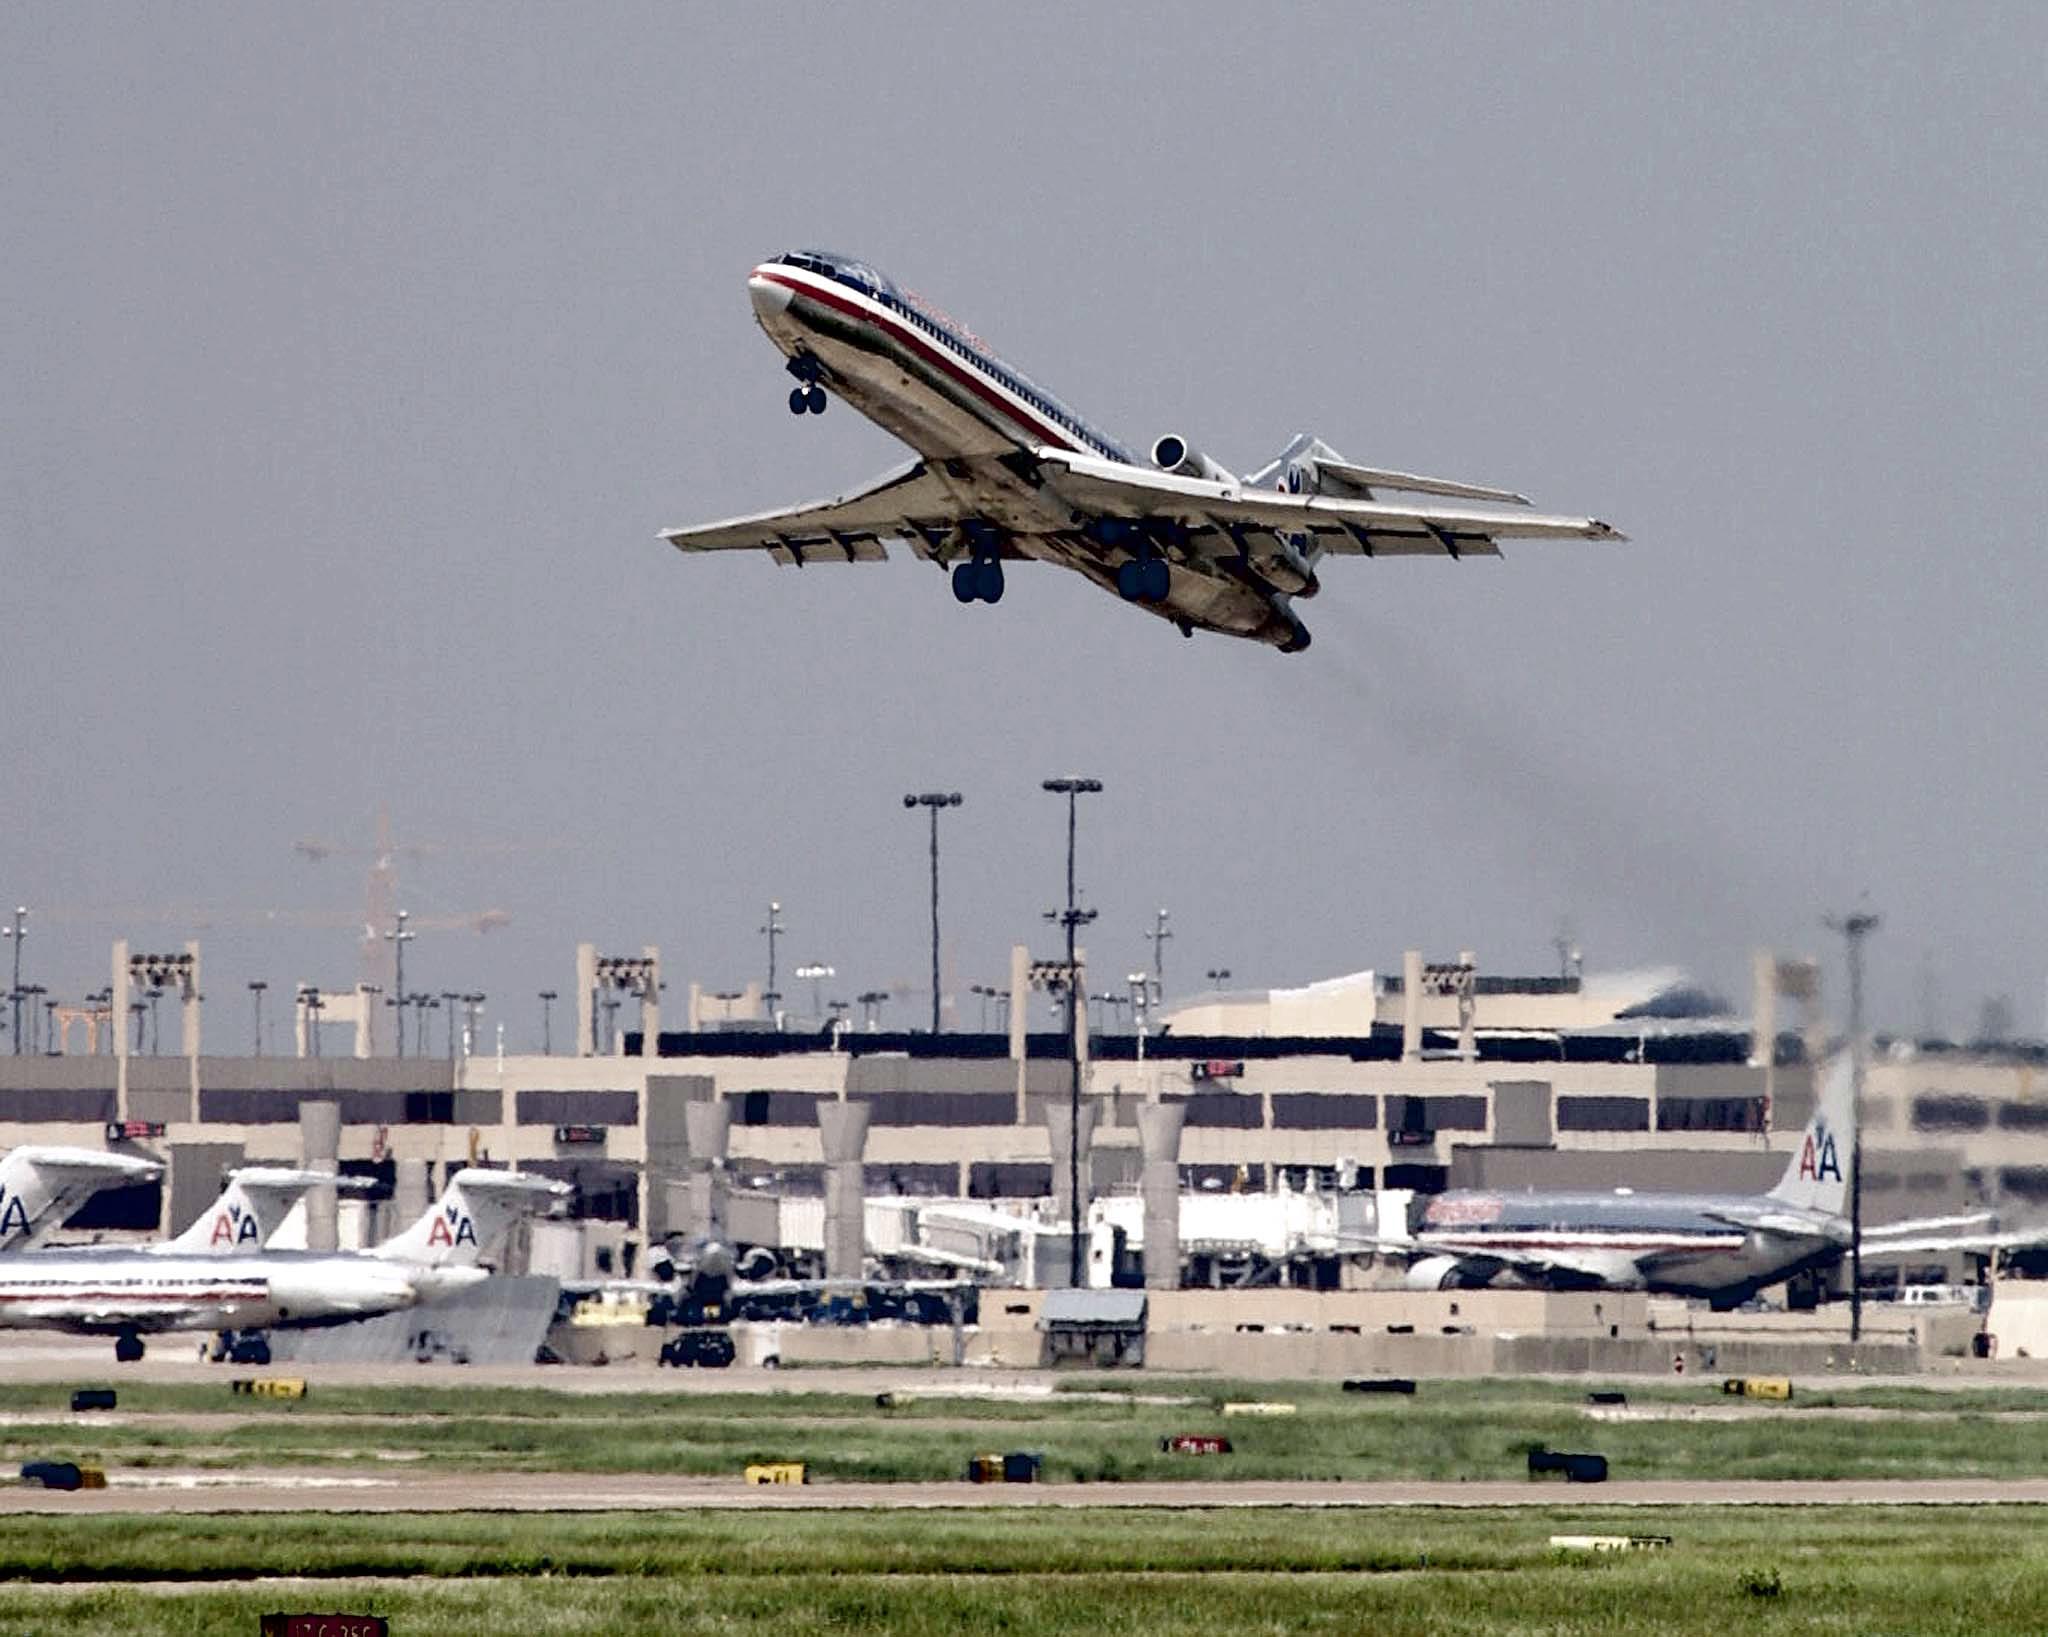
<point>103,1004</point>
<point>313,1003</point>
<point>817,972</point>
<point>1159,935</point>
<point>1072,919</point>
<point>18,931</point>
<point>989,992</point>
<point>547,1028</point>
<point>1854,929</point>
<point>934,800</point>
<point>256,988</point>
<point>870,1001</point>
<point>448,999</point>
<point>398,938</point>
<point>773,930</point>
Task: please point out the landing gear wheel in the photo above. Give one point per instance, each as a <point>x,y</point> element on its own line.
<point>127,1348</point>
<point>814,400</point>
<point>259,1351</point>
<point>1153,581</point>
<point>1129,580</point>
<point>799,400</point>
<point>964,588</point>
<point>988,580</point>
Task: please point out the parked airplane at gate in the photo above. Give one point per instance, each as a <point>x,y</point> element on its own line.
<point>1725,1247</point>
<point>41,1185</point>
<point>132,1293</point>
<point>1006,472</point>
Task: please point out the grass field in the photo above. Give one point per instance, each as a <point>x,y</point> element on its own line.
<point>1761,1571</point>
<point>1450,1430</point>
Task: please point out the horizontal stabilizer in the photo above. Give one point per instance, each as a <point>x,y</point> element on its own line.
<point>1368,478</point>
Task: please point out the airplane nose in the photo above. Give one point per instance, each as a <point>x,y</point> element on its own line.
<point>771,297</point>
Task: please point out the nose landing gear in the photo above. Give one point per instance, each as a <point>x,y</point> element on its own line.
<point>808,397</point>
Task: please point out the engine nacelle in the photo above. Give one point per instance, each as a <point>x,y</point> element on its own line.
<point>1284,629</point>
<point>1435,1273</point>
<point>1172,454</point>
<point>755,1263</point>
<point>1279,563</point>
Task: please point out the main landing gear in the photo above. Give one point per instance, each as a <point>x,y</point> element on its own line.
<point>980,579</point>
<point>127,1347</point>
<point>1143,579</point>
<point>807,397</point>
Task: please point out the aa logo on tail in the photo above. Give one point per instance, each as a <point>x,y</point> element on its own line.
<point>233,1226</point>
<point>13,1215</point>
<point>452,1227</point>
<point>1818,1161</point>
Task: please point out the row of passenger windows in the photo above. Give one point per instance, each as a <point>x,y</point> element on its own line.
<point>1022,388</point>
<point>876,286</point>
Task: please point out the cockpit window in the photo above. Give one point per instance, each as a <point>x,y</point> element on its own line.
<point>845,269</point>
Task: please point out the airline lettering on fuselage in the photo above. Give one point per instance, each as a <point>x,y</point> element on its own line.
<point>452,1228</point>
<point>13,1215</point>
<point>233,1226</point>
<point>1818,1161</point>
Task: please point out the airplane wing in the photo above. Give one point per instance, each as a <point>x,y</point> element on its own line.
<point>1599,1266</point>
<point>909,503</point>
<point>1978,1232</point>
<point>1934,1244</point>
<point>1213,514</point>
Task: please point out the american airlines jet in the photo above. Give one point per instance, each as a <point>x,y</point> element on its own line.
<point>132,1293</point>
<point>1007,473</point>
<point>1725,1247</point>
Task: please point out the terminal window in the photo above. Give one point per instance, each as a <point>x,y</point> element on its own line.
<point>1939,1112</point>
<point>1603,1114</point>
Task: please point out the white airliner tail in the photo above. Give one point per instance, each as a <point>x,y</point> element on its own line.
<point>1310,466</point>
<point>1817,1175</point>
<point>470,1220</point>
<point>40,1185</point>
<point>256,1200</point>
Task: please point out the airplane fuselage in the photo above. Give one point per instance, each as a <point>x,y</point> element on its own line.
<point>108,1292</point>
<point>1716,1246</point>
<point>928,381</point>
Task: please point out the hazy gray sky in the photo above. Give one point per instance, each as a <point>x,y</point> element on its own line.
<point>354,358</point>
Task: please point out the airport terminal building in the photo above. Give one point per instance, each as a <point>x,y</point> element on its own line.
<point>1434,1076</point>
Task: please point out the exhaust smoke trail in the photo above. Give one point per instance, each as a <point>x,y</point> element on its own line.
<point>1595,840</point>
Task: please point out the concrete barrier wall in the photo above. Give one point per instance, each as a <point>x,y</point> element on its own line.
<point>1489,1312</point>
<point>1325,1357</point>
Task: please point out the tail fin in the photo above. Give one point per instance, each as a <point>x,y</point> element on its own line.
<point>1817,1176</point>
<point>1310,466</point>
<point>256,1200</point>
<point>471,1218</point>
<point>41,1185</point>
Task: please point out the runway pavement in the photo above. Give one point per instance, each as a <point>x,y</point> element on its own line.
<point>170,1492</point>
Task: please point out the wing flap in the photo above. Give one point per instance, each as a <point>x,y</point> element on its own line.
<point>1343,527</point>
<point>909,502</point>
